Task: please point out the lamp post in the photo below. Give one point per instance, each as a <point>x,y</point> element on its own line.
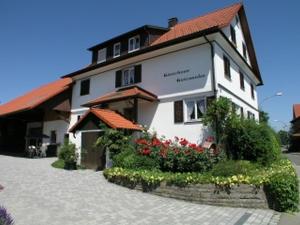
<point>277,94</point>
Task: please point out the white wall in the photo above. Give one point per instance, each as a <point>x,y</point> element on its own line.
<point>233,85</point>
<point>239,35</point>
<point>60,126</point>
<point>195,61</point>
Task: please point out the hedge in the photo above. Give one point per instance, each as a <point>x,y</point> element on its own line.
<point>279,179</point>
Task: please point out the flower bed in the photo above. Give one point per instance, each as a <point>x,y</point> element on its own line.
<point>176,156</point>
<point>279,181</point>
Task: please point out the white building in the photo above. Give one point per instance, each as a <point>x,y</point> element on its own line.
<point>164,78</point>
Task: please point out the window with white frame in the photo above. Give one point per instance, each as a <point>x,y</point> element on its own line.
<point>117,49</point>
<point>250,115</point>
<point>195,108</point>
<point>128,76</point>
<point>101,55</point>
<point>134,43</point>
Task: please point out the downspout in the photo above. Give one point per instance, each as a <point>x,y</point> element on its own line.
<point>212,51</point>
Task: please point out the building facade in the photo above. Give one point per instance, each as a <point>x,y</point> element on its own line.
<point>181,68</point>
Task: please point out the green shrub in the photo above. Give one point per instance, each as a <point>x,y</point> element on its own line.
<point>68,154</point>
<point>59,164</point>
<point>129,159</point>
<point>283,192</point>
<point>249,140</point>
<point>231,167</point>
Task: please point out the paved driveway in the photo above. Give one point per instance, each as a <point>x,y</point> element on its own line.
<point>37,194</point>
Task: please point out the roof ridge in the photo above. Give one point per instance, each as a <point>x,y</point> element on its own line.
<point>211,12</point>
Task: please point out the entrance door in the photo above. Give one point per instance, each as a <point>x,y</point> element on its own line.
<point>92,157</point>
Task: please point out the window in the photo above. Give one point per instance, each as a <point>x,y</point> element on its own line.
<point>178,111</point>
<point>238,110</point>
<point>134,43</point>
<point>252,91</point>
<point>117,50</point>
<point>250,115</point>
<point>102,55</point>
<point>244,50</point>
<point>195,108</point>
<point>242,81</point>
<point>128,76</point>
<point>232,34</point>
<point>53,137</point>
<point>85,87</point>
<point>237,20</point>
<point>227,67</point>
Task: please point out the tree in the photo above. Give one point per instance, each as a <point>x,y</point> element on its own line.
<point>284,137</point>
<point>263,117</point>
<point>217,115</point>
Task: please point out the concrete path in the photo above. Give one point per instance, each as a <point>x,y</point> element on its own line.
<point>37,194</point>
<point>292,219</point>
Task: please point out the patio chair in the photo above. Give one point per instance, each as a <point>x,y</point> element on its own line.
<point>43,150</point>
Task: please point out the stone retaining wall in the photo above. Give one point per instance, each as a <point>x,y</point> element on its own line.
<point>237,196</point>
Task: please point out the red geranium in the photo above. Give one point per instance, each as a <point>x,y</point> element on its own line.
<point>146,151</point>
<point>183,142</point>
<point>156,142</point>
<point>141,141</point>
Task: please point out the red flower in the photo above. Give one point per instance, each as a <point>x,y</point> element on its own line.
<point>187,152</point>
<point>183,142</point>
<point>194,146</point>
<point>141,141</point>
<point>199,149</point>
<point>166,143</point>
<point>176,151</point>
<point>146,151</point>
<point>156,142</point>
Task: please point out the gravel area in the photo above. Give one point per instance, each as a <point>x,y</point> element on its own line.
<point>37,194</point>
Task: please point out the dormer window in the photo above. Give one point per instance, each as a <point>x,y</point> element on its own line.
<point>101,55</point>
<point>134,43</point>
<point>117,49</point>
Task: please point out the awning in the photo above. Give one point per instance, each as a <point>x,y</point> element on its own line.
<point>123,94</point>
<point>109,117</point>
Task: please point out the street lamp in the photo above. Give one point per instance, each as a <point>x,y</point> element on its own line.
<point>277,94</point>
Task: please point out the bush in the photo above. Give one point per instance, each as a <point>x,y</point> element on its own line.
<point>114,140</point>
<point>5,217</point>
<point>283,192</point>
<point>248,140</point>
<point>231,167</point>
<point>67,153</point>
<point>279,179</point>
<point>176,156</point>
<point>129,159</point>
<point>59,164</point>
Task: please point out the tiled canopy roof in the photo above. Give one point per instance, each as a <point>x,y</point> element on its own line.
<point>296,111</point>
<point>122,94</point>
<point>110,118</point>
<point>220,18</point>
<point>35,97</point>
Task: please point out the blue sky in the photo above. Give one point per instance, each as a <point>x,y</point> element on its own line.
<point>43,40</point>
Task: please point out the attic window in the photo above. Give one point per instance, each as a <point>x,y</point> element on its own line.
<point>134,43</point>
<point>102,55</point>
<point>232,33</point>
<point>117,49</point>
<point>244,50</point>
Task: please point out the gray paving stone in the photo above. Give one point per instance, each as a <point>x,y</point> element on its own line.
<point>37,194</point>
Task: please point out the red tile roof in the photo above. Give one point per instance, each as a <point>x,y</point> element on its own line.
<point>121,94</point>
<point>220,18</point>
<point>35,97</point>
<point>296,111</point>
<point>109,117</point>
